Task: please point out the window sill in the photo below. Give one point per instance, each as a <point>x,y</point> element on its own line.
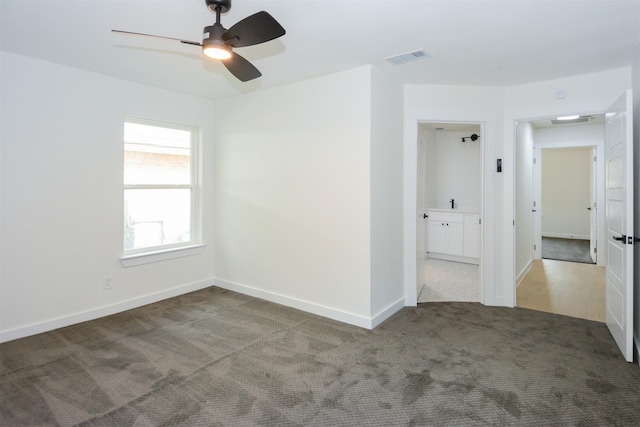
<point>163,255</point>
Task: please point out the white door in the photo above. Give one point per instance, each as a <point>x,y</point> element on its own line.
<point>593,217</point>
<point>619,222</point>
<point>421,206</point>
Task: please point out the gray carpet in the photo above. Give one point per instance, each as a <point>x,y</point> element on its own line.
<point>214,357</point>
<point>573,250</point>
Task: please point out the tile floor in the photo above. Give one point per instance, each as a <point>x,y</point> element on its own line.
<point>450,281</point>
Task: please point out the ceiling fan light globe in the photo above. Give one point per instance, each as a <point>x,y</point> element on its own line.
<point>216,52</point>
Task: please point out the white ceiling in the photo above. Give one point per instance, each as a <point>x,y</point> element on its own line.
<point>471,42</point>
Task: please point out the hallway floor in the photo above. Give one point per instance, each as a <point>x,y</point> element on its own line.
<point>568,288</point>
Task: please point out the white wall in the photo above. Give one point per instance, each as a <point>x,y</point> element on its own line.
<point>565,136</point>
<point>524,198</point>
<point>590,93</point>
<point>294,194</point>
<point>387,290</point>
<point>458,170</point>
<point>62,200</point>
<point>566,192</point>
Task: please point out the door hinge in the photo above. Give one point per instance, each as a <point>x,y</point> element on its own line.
<point>534,247</point>
<point>595,250</point>
<point>534,160</point>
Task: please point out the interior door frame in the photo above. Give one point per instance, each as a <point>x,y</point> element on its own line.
<point>421,239</point>
<point>487,124</point>
<point>598,144</point>
<point>510,188</point>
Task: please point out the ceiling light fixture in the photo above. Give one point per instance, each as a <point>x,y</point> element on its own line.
<point>573,117</point>
<point>216,49</point>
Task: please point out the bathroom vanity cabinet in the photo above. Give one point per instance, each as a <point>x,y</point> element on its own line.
<point>445,233</point>
<point>453,235</point>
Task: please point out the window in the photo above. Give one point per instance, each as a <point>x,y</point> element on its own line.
<point>160,187</point>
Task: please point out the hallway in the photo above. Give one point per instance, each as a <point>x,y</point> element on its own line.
<point>568,288</point>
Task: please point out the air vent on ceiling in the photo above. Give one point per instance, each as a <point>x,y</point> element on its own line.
<point>407,57</point>
<point>580,119</point>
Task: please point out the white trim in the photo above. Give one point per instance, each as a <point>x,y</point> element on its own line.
<point>309,307</point>
<point>598,144</point>
<point>487,121</point>
<point>454,258</point>
<point>386,313</point>
<point>567,236</point>
<point>161,255</point>
<point>195,186</point>
<point>95,313</point>
<point>568,144</point>
<point>525,270</point>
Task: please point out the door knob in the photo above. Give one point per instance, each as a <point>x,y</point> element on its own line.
<point>621,238</point>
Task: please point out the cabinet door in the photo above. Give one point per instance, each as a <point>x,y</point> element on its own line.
<point>435,236</point>
<point>454,238</point>
<point>472,236</point>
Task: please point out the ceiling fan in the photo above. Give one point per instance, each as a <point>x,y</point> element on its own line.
<point>218,42</point>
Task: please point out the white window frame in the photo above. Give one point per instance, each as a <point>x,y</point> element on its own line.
<point>147,255</point>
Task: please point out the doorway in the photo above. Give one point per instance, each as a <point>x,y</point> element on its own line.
<point>566,189</point>
<point>449,200</point>
<point>559,187</point>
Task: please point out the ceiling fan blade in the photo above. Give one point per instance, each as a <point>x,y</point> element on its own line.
<point>157,37</point>
<point>254,29</point>
<point>241,68</point>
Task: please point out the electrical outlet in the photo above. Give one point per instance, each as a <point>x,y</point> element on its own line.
<point>106,284</point>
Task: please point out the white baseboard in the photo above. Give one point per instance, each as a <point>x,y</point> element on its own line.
<point>525,270</point>
<point>387,312</point>
<point>567,236</point>
<point>84,316</point>
<point>313,308</point>
<point>454,258</point>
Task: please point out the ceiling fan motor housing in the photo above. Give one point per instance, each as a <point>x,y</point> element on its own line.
<point>213,33</point>
<point>225,5</point>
